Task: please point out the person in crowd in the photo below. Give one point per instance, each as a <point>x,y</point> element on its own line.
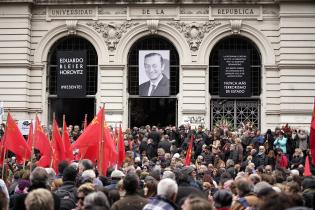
<point>150,188</point>
<point>82,192</point>
<point>196,203</point>
<point>116,176</point>
<point>297,158</point>
<point>302,139</point>
<point>222,200</point>
<point>281,159</point>
<point>281,142</point>
<point>39,199</point>
<point>131,201</point>
<point>67,191</point>
<point>96,200</point>
<point>39,180</point>
<point>260,158</point>
<point>246,196</point>
<point>166,196</point>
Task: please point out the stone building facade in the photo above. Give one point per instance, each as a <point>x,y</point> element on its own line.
<point>279,33</point>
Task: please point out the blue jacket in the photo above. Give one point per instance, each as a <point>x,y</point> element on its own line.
<point>281,143</point>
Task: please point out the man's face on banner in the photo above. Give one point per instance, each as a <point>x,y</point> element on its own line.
<point>153,66</point>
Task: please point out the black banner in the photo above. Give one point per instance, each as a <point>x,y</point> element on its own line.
<point>235,75</point>
<point>71,74</point>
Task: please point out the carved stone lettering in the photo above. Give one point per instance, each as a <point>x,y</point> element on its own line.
<point>81,12</point>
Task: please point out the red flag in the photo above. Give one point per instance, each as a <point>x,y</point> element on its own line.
<point>109,154</point>
<point>14,140</point>
<point>58,151</point>
<point>189,151</point>
<point>66,142</point>
<point>307,170</point>
<point>312,135</point>
<point>41,141</point>
<point>91,135</point>
<point>121,148</point>
<point>1,152</point>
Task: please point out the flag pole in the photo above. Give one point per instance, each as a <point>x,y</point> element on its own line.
<point>33,142</point>
<point>3,149</point>
<point>101,151</point>
<point>84,127</point>
<point>52,137</point>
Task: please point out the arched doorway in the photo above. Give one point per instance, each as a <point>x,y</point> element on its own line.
<point>146,108</point>
<point>74,107</point>
<point>235,108</point>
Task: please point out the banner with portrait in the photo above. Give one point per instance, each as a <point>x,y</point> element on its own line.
<point>154,73</point>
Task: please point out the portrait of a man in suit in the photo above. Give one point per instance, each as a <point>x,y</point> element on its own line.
<point>154,65</point>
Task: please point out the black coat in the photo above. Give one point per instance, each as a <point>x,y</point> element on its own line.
<point>20,205</point>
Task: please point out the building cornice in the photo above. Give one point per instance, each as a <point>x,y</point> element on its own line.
<point>143,2</point>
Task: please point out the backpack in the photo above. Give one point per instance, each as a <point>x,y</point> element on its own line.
<point>67,199</point>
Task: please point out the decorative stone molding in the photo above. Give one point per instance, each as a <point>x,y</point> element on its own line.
<point>112,32</point>
<point>103,11</point>
<point>153,26</point>
<point>236,26</point>
<point>39,11</point>
<point>203,11</point>
<point>194,32</point>
<point>121,12</point>
<point>185,11</point>
<point>72,26</point>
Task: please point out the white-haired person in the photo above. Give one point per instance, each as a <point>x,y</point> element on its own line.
<point>166,196</point>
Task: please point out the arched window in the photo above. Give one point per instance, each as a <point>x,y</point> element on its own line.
<point>152,43</point>
<point>235,110</point>
<point>159,111</point>
<point>73,108</point>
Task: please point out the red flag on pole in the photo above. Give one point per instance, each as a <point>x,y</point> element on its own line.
<point>312,135</point>
<point>66,142</point>
<point>41,141</point>
<point>189,151</point>
<point>121,148</point>
<point>91,135</point>
<point>57,147</point>
<point>307,169</point>
<point>14,140</point>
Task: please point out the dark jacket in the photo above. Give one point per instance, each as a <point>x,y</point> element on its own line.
<point>260,160</point>
<point>19,200</point>
<point>166,145</point>
<point>162,89</point>
<point>67,193</point>
<point>130,202</point>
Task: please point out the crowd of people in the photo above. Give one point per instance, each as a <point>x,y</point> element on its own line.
<point>241,169</point>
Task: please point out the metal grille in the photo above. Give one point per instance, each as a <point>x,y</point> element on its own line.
<point>152,43</point>
<point>73,43</point>
<point>235,112</point>
<point>235,43</point>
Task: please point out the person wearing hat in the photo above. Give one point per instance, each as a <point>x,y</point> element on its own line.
<point>116,176</point>
<point>281,143</point>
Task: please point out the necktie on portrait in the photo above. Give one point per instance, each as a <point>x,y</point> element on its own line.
<point>152,90</point>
